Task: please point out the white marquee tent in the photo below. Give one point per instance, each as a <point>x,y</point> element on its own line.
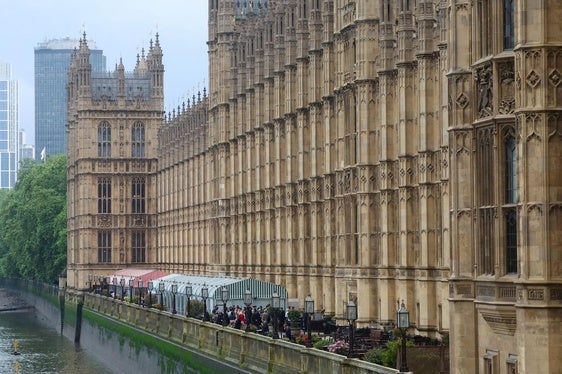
<point>261,291</point>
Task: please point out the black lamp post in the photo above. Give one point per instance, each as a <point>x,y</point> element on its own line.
<point>139,284</point>
<point>122,283</point>
<point>174,291</point>
<point>275,301</point>
<point>114,287</point>
<point>90,277</point>
<point>188,293</point>
<point>403,323</point>
<point>161,289</point>
<point>351,316</point>
<point>131,289</point>
<point>309,310</point>
<point>225,294</point>
<point>205,296</point>
<point>150,289</point>
<point>248,302</point>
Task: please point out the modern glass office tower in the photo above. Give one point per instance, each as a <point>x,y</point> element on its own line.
<point>9,127</point>
<point>52,59</point>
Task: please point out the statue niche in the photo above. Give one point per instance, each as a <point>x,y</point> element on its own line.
<point>484,84</point>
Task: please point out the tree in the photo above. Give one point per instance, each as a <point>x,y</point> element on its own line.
<point>33,217</point>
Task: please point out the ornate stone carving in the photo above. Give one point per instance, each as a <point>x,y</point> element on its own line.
<point>556,294</point>
<point>507,93</point>
<point>484,91</point>
<point>554,78</point>
<point>532,79</point>
<point>462,100</point>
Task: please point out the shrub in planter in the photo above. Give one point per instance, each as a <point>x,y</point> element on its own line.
<point>340,347</point>
<point>294,315</point>
<point>323,344</point>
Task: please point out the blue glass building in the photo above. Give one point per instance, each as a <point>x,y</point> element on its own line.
<point>52,59</point>
<point>9,127</point>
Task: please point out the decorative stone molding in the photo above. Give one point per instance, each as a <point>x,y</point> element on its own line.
<point>502,319</point>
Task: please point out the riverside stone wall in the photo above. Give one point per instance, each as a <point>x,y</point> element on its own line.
<point>249,351</point>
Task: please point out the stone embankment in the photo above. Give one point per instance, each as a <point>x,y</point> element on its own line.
<point>12,301</point>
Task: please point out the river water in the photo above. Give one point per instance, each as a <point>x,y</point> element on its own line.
<point>42,348</point>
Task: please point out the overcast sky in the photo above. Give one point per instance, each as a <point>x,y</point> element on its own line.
<point>120,28</point>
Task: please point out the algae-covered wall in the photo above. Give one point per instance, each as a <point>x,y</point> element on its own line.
<point>247,351</point>
<point>137,339</point>
<point>125,348</point>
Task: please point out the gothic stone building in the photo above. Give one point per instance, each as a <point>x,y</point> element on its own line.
<point>378,151</point>
<point>113,121</point>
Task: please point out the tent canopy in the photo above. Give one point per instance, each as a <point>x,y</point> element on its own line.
<point>261,291</point>
<point>136,274</point>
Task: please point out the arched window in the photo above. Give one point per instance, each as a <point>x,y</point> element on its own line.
<point>510,191</point>
<point>104,195</point>
<point>510,168</point>
<point>511,241</point>
<point>139,196</point>
<point>137,140</point>
<point>104,139</point>
<point>104,246</point>
<point>138,245</point>
<point>508,24</point>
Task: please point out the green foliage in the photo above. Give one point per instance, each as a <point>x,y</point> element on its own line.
<point>386,355</point>
<point>322,343</point>
<point>445,340</point>
<point>33,221</point>
<point>294,315</point>
<point>195,308</point>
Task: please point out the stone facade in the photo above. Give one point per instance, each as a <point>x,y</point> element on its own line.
<point>380,151</point>
<point>113,120</point>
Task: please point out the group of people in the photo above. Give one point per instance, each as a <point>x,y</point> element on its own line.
<point>261,318</point>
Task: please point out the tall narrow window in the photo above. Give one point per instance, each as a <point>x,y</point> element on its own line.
<point>510,169</point>
<point>104,246</point>
<point>491,362</point>
<point>104,195</point>
<point>137,140</point>
<point>511,241</point>
<point>485,200</point>
<point>485,19</point>
<point>508,24</point>
<point>104,139</point>
<point>139,196</point>
<point>138,245</point>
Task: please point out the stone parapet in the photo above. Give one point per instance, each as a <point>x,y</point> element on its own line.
<point>250,351</point>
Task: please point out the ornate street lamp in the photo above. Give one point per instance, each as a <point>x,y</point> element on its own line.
<point>188,293</point>
<point>225,294</point>
<point>309,310</point>
<point>205,296</point>
<point>114,287</point>
<point>122,283</point>
<point>139,284</point>
<point>403,323</point>
<point>174,291</point>
<point>275,303</point>
<point>131,289</point>
<point>247,312</point>
<point>161,289</point>
<point>351,316</point>
<point>150,289</point>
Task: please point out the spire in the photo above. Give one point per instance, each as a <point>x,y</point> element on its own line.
<point>156,68</point>
<point>120,69</point>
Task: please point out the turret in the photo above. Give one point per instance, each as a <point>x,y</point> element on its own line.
<point>84,68</point>
<point>120,70</point>
<point>156,68</point>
